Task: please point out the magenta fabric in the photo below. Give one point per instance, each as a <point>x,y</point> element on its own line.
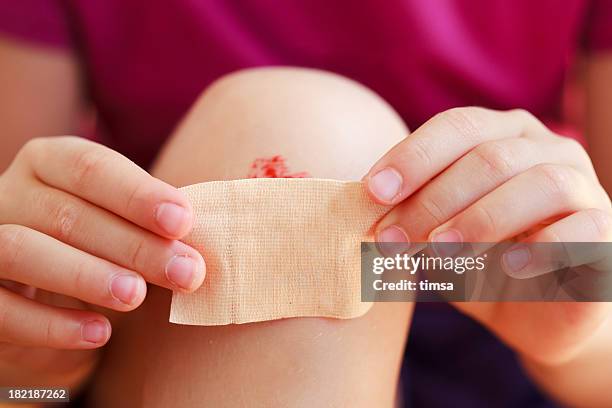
<point>146,61</point>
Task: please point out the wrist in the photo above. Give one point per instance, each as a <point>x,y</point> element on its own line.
<point>583,378</point>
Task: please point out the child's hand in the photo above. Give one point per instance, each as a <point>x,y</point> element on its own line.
<point>476,175</point>
<point>80,221</point>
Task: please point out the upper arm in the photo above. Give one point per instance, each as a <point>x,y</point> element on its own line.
<point>599,115</point>
<point>40,94</point>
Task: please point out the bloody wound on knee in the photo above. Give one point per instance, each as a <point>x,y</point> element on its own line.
<point>273,167</point>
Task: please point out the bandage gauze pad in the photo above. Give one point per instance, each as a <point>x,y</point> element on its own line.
<point>277,248</point>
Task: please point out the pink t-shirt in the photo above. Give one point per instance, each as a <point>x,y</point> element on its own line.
<point>145,61</point>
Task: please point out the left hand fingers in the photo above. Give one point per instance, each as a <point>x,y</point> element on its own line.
<point>544,192</point>
<point>439,143</point>
<point>592,227</point>
<point>553,331</point>
<point>477,173</point>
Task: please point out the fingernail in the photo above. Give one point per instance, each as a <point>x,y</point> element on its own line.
<point>392,240</point>
<point>386,184</point>
<point>516,259</point>
<point>94,331</point>
<point>447,243</point>
<point>124,288</point>
<point>171,218</point>
<point>181,270</point>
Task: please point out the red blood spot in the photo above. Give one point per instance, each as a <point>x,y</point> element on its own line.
<point>273,167</point>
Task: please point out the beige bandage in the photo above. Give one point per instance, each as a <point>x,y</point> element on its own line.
<point>277,248</point>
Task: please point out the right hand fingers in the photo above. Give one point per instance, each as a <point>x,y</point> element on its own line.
<point>32,258</point>
<point>29,323</point>
<point>109,180</point>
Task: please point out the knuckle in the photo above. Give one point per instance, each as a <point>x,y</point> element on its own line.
<point>88,165</point>
<point>79,277</point>
<point>63,214</point>
<point>12,242</point>
<point>485,224</point>
<point>466,121</point>
<point>47,333</point>
<point>52,333</point>
<point>572,144</point>
<point>138,254</point>
<point>134,199</point>
<point>556,179</point>
<point>602,223</point>
<point>433,209</point>
<point>422,152</point>
<point>66,221</point>
<point>524,115</point>
<point>37,149</point>
<point>530,123</point>
<point>34,146</point>
<point>577,150</point>
<point>495,159</point>
<point>32,150</point>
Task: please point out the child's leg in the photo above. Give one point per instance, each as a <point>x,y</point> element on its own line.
<point>331,128</point>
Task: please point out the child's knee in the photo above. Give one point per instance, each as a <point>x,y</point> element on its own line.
<point>330,127</point>
<point>306,100</point>
<point>320,122</point>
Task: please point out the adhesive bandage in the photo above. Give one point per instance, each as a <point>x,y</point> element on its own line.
<point>277,248</point>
